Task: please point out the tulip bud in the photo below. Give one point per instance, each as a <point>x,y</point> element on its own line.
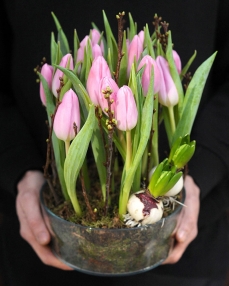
<point>96,51</point>
<point>141,36</point>
<point>149,62</point>
<point>46,72</point>
<point>68,114</point>
<point>143,208</point>
<point>134,51</point>
<point>83,45</point>
<point>107,82</point>
<point>126,112</point>
<point>177,61</point>
<point>99,70</point>
<point>66,62</point>
<point>168,95</point>
<point>95,37</point>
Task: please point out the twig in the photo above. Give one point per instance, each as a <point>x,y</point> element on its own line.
<point>120,40</point>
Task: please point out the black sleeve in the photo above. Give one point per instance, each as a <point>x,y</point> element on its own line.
<point>17,149</point>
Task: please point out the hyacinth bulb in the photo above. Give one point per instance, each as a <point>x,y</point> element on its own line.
<point>66,62</point>
<point>68,114</point>
<point>143,208</point>
<point>168,95</point>
<point>99,70</point>
<point>126,112</point>
<point>148,63</point>
<point>46,72</point>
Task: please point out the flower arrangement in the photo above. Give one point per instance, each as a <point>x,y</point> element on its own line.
<point>105,101</point>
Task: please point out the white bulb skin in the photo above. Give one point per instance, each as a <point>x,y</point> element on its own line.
<point>135,208</point>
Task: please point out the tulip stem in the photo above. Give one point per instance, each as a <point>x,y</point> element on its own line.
<point>128,149</point>
<point>67,145</point>
<point>172,119</point>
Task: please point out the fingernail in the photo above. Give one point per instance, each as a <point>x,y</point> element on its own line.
<point>181,235</point>
<point>42,238</point>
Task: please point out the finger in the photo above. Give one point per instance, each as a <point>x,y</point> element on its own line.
<point>43,252</point>
<point>187,228</point>
<point>176,253</point>
<point>30,214</point>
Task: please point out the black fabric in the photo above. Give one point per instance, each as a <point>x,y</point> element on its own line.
<point>25,30</point>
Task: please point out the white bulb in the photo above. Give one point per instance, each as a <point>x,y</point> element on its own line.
<point>144,208</point>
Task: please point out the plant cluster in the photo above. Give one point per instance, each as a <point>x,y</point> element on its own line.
<point>110,97</point>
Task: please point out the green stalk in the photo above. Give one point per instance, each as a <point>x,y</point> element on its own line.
<point>128,149</point>
<point>67,145</point>
<point>172,119</point>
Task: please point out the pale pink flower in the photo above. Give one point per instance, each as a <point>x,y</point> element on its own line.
<point>46,72</point>
<point>134,52</point>
<point>110,83</point>
<point>67,114</point>
<point>167,95</point>
<point>177,61</point>
<point>66,62</point>
<point>126,112</point>
<point>99,70</point>
<point>148,63</point>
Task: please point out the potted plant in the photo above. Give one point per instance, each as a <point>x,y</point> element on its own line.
<point>110,202</point>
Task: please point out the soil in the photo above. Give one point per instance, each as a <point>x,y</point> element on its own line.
<point>65,210</point>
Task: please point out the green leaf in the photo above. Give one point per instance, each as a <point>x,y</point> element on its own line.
<point>123,66</point>
<point>192,98</point>
<point>76,156</point>
<point>54,49</point>
<point>100,157</point>
<point>76,44</point>
<point>187,66</point>
<point>61,36</point>
<point>148,42</point>
<point>132,28</point>
<point>111,42</point>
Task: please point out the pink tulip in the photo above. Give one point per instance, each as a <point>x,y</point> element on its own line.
<point>134,52</point>
<point>96,51</point>
<point>67,114</point>
<point>177,61</point>
<point>46,72</point>
<point>104,83</point>
<point>141,36</point>
<point>96,48</point>
<point>99,70</point>
<point>149,62</point>
<point>126,112</point>
<point>80,52</point>
<point>95,37</point>
<point>168,94</point>
<point>59,74</point>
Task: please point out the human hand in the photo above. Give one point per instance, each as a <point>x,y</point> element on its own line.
<point>32,225</point>
<point>186,229</point>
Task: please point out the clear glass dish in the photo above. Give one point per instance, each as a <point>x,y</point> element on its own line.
<point>111,252</point>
